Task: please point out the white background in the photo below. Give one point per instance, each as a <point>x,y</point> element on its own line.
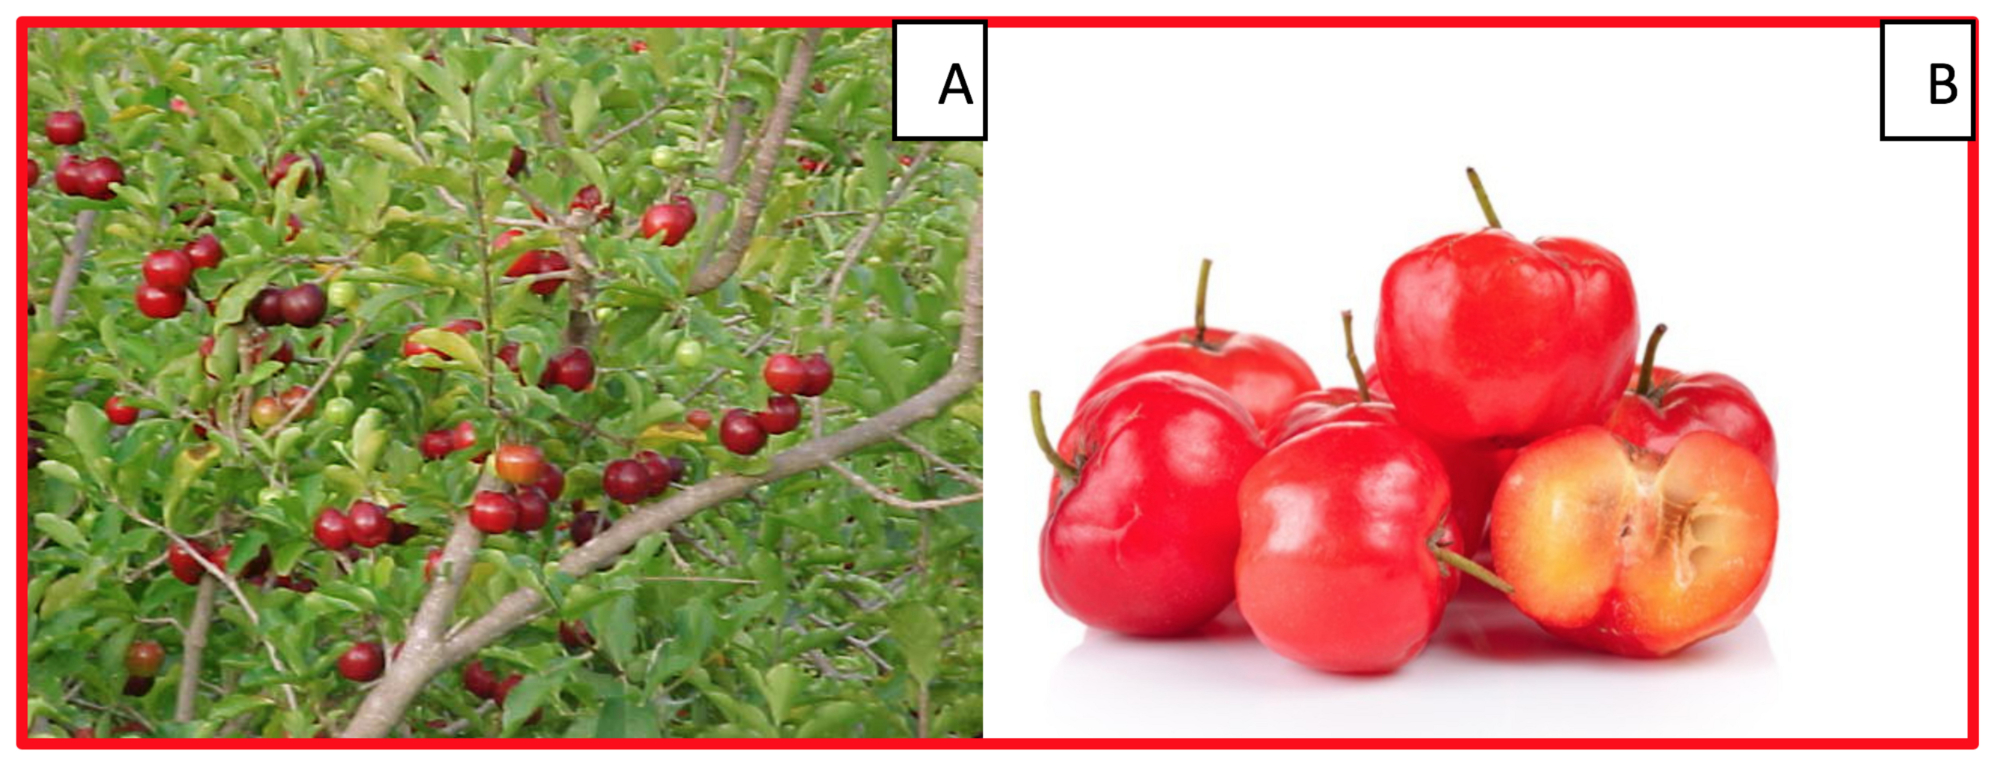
<point>1094,142</point>
<point>1762,220</point>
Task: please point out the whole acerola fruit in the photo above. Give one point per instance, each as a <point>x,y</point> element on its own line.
<point>572,368</point>
<point>550,481</point>
<point>204,251</point>
<point>784,373</point>
<point>119,413</point>
<point>362,662</point>
<point>266,411</point>
<point>143,658</point>
<point>436,444</point>
<point>741,433</point>
<point>780,415</point>
<point>368,524</point>
<point>494,512</point>
<point>64,127</point>
<point>819,375</point>
<point>533,510</point>
<point>627,481</point>
<point>304,304</point>
<point>159,303</point>
<point>517,464</point>
<point>268,307</point>
<point>167,269</point>
<point>479,681</point>
<point>331,530</point>
<point>185,563</point>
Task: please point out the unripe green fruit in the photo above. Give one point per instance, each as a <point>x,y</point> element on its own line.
<point>689,353</point>
<point>663,158</point>
<point>344,295</point>
<point>339,411</point>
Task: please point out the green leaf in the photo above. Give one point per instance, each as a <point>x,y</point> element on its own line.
<point>62,531</point>
<point>583,106</point>
<point>918,633</point>
<point>387,146</point>
<point>86,428</point>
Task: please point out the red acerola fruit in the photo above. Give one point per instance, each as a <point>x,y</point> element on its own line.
<point>138,686</point>
<point>362,662</point>
<point>494,512</point>
<point>159,303</point>
<point>284,166</point>
<point>402,531</point>
<point>63,128</point>
<point>532,510</point>
<point>627,481</point>
<point>819,375</point>
<point>69,175</point>
<point>464,436</point>
<point>669,221</point>
<point>167,268</point>
<point>575,636</point>
<point>517,464</point>
<point>517,161</point>
<point>780,415</point>
<point>304,304</point>
<point>185,563</point>
<point>591,199</point>
<point>205,251</point>
<point>143,658</point>
<point>31,172</point>
<point>98,176</point>
<point>583,526</point>
<point>436,444</point>
<point>741,433</point>
<point>119,413</point>
<point>784,373</point>
<point>368,524</point>
<point>331,530</point>
<point>268,307</point>
<point>479,681</point>
<point>572,368</point>
<point>550,482</point>
<point>551,261</point>
<point>700,419</point>
<point>659,473</point>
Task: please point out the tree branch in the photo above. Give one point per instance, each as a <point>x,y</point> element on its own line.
<point>72,266</point>
<point>423,659</point>
<point>192,644</point>
<point>714,273</point>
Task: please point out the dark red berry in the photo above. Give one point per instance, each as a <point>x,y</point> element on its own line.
<point>63,128</point>
<point>532,510</point>
<point>268,306</point>
<point>517,161</point>
<point>159,303</point>
<point>583,527</point>
<point>572,368</point>
<point>138,686</point>
<point>659,474</point>
<point>204,251</point>
<point>627,481</point>
<point>436,444</point>
<point>304,305</point>
<point>819,375</point>
<point>550,482</point>
<point>741,433</point>
<point>143,658</point>
<point>368,524</point>
<point>780,415</point>
<point>575,636</point>
<point>494,512</point>
<point>167,269</point>
<point>479,681</point>
<point>362,662</point>
<point>98,176</point>
<point>784,373</point>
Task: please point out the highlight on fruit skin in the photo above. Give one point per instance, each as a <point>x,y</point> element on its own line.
<point>1625,550</point>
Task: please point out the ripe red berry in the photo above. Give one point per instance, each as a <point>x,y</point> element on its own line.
<point>700,419</point>
<point>362,662</point>
<point>69,175</point>
<point>517,161</point>
<point>368,524</point>
<point>63,127</point>
<point>780,415</point>
<point>479,681</point>
<point>784,373</point>
<point>304,305</point>
<point>532,510</point>
<point>583,527</point>
<point>331,530</point>
<point>517,464</point>
<point>494,512</point>
<point>205,251</point>
<point>550,482</point>
<point>464,326</point>
<point>431,561</point>
<point>591,199</point>
<point>401,531</point>
<point>819,375</point>
<point>295,395</point>
<point>575,636</point>
<point>510,354</point>
<point>551,261</point>
<point>528,263</point>
<point>670,221</point>
<point>464,436</point>
<point>185,563</point>
<point>160,303</point>
<point>741,433</point>
<point>167,269</point>
<point>119,413</point>
<point>436,444</point>
<point>284,166</point>
<point>97,177</point>
<point>138,686</point>
<point>572,368</point>
<point>30,173</point>
<point>143,658</point>
<point>627,481</point>
<point>659,474</point>
<point>268,307</point>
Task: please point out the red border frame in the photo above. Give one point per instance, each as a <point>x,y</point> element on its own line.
<point>1968,742</point>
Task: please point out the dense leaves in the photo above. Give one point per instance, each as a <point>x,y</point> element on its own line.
<point>373,166</point>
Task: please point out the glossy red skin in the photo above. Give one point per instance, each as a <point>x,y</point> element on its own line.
<point>64,127</point>
<point>167,269</point>
<point>205,251</point>
<point>583,526</point>
<point>780,414</point>
<point>819,376</point>
<point>1335,571</point>
<point>550,481</point>
<point>575,635</point>
<point>331,530</point>
<point>186,564</point>
<point>517,161</point>
<point>627,481</point>
<point>1259,372</point>
<point>517,464</point>
<point>303,305</point>
<point>572,368</point>
<point>1484,337</point>
<point>361,662</point>
<point>1683,404</point>
<point>1144,542</point>
<point>69,175</point>
<point>700,419</point>
<point>97,177</point>
<point>479,681</point>
<point>368,524</point>
<point>741,433</point>
<point>464,326</point>
<point>464,435</point>
<point>531,510</point>
<point>494,512</point>
<point>551,261</point>
<point>268,307</point>
<point>119,413</point>
<point>784,373</point>
<point>159,303</point>
<point>660,473</point>
<point>591,199</point>
<point>436,444</point>
<point>143,658</point>
<point>670,221</point>
<point>1319,407</point>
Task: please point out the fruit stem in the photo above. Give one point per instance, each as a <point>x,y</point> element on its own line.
<point>1201,306</point>
<point>1645,386</point>
<point>1453,559</point>
<point>1353,361</point>
<point>1485,203</point>
<point>1063,468</point>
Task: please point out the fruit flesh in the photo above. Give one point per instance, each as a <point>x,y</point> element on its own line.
<point>1622,549</point>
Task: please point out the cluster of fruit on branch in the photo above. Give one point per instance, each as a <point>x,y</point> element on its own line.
<point>1628,508</point>
<point>74,175</point>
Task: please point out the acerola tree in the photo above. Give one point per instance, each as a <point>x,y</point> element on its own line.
<point>392,252</point>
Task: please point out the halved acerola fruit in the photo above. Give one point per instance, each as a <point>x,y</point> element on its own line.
<point>1633,552</point>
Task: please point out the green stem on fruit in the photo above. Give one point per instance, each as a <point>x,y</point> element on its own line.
<point>1201,306</point>
<point>1353,360</point>
<point>1471,568</point>
<point>1063,467</point>
<point>1645,386</point>
<point>1485,203</point>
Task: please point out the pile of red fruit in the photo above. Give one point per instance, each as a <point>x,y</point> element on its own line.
<point>1629,508</point>
<point>644,476</point>
<point>536,485</point>
<point>790,377</point>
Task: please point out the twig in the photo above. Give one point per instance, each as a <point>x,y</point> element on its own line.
<point>72,266</point>
<point>712,274</point>
<point>628,127</point>
<point>930,456</point>
<point>692,578</point>
<point>192,644</point>
<point>325,375</point>
<point>892,500</point>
